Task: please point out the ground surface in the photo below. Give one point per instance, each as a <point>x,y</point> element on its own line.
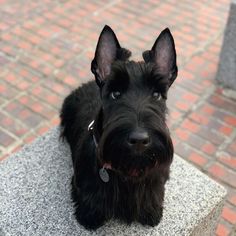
<point>46,48</point>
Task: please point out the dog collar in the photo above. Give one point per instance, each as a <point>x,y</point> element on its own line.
<point>90,128</point>
<point>102,171</point>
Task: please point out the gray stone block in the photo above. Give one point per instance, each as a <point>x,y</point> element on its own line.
<point>35,196</point>
<point>227,65</point>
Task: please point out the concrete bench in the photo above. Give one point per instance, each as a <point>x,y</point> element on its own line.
<point>35,196</point>
<point>227,65</point>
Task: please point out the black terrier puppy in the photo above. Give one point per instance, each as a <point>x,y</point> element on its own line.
<point>121,146</point>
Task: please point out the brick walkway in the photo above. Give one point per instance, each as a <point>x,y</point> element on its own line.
<point>46,48</point>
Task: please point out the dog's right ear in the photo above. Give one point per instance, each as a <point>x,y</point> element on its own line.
<point>107,51</point>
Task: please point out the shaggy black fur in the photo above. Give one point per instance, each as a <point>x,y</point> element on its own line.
<point>128,104</point>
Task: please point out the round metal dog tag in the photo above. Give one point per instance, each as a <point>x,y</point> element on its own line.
<point>104,175</point>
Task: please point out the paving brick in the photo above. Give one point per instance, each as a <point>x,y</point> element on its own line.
<point>12,125</point>
<point>196,141</point>
<point>229,214</point>
<point>199,118</point>
<point>191,126</point>
<point>226,130</point>
<point>5,139</point>
<point>209,148</point>
<point>227,159</point>
<point>218,100</point>
<point>7,91</point>
<point>30,138</point>
<point>42,129</point>
<point>182,134</point>
<point>28,117</point>
<point>230,120</point>
<point>222,230</point>
<point>183,149</point>
<point>223,174</point>
<point>231,148</point>
<point>58,87</point>
<point>211,135</point>
<point>198,159</point>
<point>49,97</point>
<point>37,106</point>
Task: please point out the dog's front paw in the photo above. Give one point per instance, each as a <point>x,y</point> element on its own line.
<point>89,219</point>
<point>151,218</point>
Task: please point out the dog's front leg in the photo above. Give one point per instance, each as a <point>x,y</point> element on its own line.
<point>89,210</point>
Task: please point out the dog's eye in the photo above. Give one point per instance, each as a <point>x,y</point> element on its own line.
<point>115,95</point>
<point>156,95</point>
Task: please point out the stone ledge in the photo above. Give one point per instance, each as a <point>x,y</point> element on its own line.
<point>35,196</point>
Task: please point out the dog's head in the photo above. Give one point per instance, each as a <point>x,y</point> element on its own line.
<point>133,137</point>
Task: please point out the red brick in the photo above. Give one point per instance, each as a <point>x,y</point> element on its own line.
<point>24,45</point>
<point>174,114</point>
<point>230,120</point>
<point>12,125</point>
<point>229,215</point>
<point>232,147</point>
<point>70,81</point>
<point>58,63</point>
<point>23,85</point>
<point>209,148</point>
<point>55,121</point>
<point>7,91</point>
<point>7,37</point>
<point>224,174</point>
<point>37,107</point>
<point>190,97</point>
<point>182,134</point>
<point>24,114</point>
<point>183,106</point>
<point>11,78</point>
<point>226,130</point>
<point>3,157</point>
<point>208,134</point>
<point>232,199</point>
<point>217,170</point>
<point>228,160</point>
<point>42,130</point>
<point>37,90</point>
<point>59,88</point>
<point>30,138</point>
<point>44,33</point>
<point>53,99</point>
<point>191,126</point>
<point>2,88</point>
<point>222,102</point>
<point>199,118</point>
<point>222,230</point>
<point>35,39</point>
<point>208,109</point>
<point>5,139</point>
<point>197,159</point>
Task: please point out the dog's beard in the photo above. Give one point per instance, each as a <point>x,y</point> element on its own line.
<point>132,164</point>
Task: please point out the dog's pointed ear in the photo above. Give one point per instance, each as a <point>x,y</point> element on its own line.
<point>163,55</point>
<point>105,54</point>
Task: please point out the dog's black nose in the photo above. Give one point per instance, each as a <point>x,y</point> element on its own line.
<point>139,138</point>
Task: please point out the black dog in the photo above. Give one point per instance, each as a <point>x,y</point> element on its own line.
<point>121,146</point>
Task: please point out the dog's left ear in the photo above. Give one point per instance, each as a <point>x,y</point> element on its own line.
<point>163,55</point>
<point>107,51</point>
